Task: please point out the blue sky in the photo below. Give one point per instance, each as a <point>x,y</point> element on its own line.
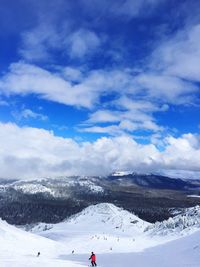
<point>99,74</point>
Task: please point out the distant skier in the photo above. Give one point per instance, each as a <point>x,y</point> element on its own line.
<point>38,254</point>
<point>93,259</point>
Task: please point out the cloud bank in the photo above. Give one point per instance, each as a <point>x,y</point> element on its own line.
<point>30,152</point>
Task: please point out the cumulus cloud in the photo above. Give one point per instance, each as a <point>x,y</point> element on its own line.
<point>30,152</point>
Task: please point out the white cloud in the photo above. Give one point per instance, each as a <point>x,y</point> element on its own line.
<point>42,42</point>
<point>120,8</point>
<point>138,97</point>
<point>72,74</point>
<point>101,116</point>
<point>114,130</point>
<point>25,79</point>
<point>135,8</point>
<point>57,32</point>
<point>30,152</point>
<point>3,102</point>
<point>179,56</point>
<point>37,44</point>
<point>141,105</point>
<point>131,115</point>
<point>170,88</point>
<point>26,113</point>
<point>82,43</point>
<point>183,152</point>
<point>124,127</point>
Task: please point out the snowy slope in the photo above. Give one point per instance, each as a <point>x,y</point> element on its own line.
<point>19,248</point>
<point>104,227</point>
<point>183,252</point>
<point>118,237</point>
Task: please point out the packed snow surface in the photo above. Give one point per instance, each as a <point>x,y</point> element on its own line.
<point>183,252</point>
<point>19,249</point>
<point>118,237</point>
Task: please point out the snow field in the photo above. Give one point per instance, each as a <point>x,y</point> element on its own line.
<point>118,237</point>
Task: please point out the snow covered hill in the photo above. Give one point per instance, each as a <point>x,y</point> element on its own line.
<point>104,227</point>
<point>103,218</point>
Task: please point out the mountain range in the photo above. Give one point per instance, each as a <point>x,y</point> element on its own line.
<point>152,197</point>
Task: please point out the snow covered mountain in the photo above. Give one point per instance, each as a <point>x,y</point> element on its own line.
<point>86,184</point>
<point>156,181</point>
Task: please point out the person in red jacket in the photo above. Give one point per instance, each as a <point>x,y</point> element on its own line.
<point>93,259</point>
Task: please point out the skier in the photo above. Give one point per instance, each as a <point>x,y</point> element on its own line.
<point>93,259</point>
<point>38,254</point>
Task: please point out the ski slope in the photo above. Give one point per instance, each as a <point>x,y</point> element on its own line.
<point>118,237</point>
<point>183,252</point>
<point>19,249</point>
